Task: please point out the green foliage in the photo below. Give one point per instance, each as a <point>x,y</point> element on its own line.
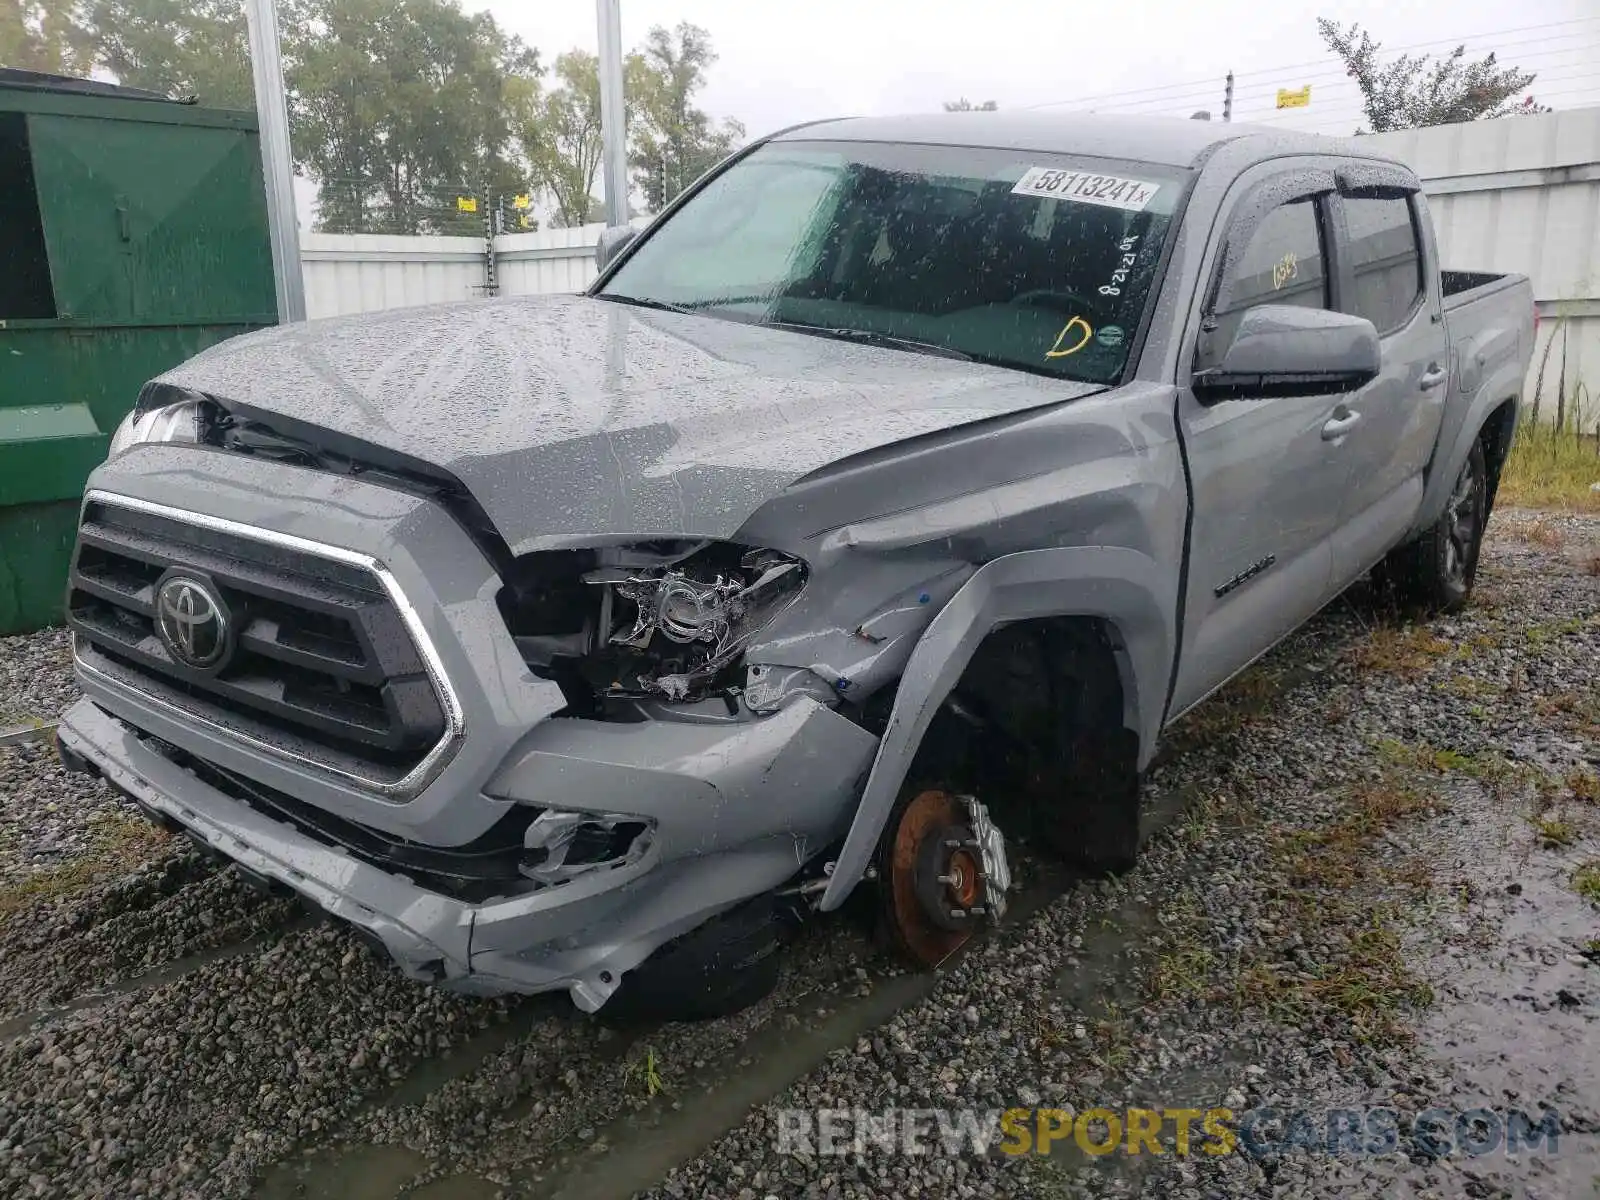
<point>560,134</point>
<point>1551,468</point>
<point>178,47</point>
<point>673,142</point>
<point>399,106</point>
<point>42,35</point>
<point>1415,90</point>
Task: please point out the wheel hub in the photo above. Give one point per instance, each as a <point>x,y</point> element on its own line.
<point>947,873</point>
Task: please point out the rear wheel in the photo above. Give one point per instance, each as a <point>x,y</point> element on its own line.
<point>1437,570</point>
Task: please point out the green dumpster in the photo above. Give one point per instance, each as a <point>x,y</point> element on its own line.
<point>133,234</point>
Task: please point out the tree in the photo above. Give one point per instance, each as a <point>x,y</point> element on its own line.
<point>674,142</point>
<point>965,105</point>
<point>400,106</point>
<point>177,47</point>
<point>45,36</point>
<point>1413,91</point>
<point>561,136</point>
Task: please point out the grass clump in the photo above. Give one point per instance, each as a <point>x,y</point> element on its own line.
<point>119,844</point>
<point>1555,832</point>
<point>1405,650</point>
<point>1586,881</point>
<point>644,1075</point>
<point>1551,468</point>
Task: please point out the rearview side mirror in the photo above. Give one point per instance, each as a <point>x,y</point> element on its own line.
<point>1286,350</point>
<point>612,242</point>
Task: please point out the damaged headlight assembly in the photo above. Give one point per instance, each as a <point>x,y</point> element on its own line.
<point>664,620</point>
<point>184,420</point>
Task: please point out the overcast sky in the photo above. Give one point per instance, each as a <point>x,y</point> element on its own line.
<point>786,62</point>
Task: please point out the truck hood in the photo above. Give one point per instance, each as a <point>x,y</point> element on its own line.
<point>568,417</point>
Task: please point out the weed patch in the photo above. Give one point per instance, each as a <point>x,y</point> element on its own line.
<point>1586,881</point>
<point>1551,468</point>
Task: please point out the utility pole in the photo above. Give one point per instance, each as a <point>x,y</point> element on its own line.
<point>277,165</point>
<point>613,116</point>
<point>1227,99</point>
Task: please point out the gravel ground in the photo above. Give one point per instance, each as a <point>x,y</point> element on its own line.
<point>1369,899</point>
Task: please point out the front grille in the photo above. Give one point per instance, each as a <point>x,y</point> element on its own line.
<point>323,667</point>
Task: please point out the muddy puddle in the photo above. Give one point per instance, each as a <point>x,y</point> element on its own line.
<point>1517,1006</point>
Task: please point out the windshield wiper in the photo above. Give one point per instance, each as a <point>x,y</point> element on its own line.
<point>870,337</point>
<point>642,302</point>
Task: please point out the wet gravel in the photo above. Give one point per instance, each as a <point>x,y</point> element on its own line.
<point>48,818</point>
<point>253,1048</point>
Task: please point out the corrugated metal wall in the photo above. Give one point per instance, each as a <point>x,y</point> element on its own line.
<point>553,260</point>
<point>349,273</point>
<point>1523,194</point>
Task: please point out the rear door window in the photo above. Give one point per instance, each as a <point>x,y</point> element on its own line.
<point>1386,260</point>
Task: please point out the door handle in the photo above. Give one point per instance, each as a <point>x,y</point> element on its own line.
<point>1432,377</point>
<point>1337,427</point>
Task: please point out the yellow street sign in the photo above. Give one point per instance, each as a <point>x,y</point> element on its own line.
<point>467,203</point>
<point>1298,98</point>
<point>519,202</point>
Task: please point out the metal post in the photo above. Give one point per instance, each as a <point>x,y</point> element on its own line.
<point>613,117</point>
<point>1227,99</point>
<point>277,167</point>
<point>491,275</point>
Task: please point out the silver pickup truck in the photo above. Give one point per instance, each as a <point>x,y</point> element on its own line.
<point>873,512</point>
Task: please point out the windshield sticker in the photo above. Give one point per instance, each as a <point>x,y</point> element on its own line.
<point>1085,187</point>
<point>1109,335</point>
<point>1285,269</point>
<point>1119,274</point>
<point>1077,332</point>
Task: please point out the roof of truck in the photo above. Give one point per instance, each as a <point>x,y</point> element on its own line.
<point>1167,140</point>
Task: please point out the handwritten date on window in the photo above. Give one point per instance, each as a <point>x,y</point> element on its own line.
<point>1119,274</point>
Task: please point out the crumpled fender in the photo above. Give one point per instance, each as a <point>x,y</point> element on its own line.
<point>1126,588</point>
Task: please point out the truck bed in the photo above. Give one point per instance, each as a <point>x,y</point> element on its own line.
<point>1467,287</point>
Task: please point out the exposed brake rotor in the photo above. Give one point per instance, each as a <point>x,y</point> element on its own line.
<point>945,872</point>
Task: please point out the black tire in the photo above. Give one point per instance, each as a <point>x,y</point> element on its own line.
<point>1436,571</point>
<point>1096,826</point>
<point>717,969</point>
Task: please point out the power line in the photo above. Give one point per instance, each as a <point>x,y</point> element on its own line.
<point>1249,93</point>
<point>1212,87</point>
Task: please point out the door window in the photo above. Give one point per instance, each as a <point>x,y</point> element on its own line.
<point>1283,264</point>
<point>1386,259</point>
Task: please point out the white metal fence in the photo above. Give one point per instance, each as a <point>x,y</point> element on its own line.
<point>348,273</point>
<point>1523,194</point>
<point>1519,194</point>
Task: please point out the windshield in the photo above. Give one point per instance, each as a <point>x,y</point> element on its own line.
<point>1025,260</point>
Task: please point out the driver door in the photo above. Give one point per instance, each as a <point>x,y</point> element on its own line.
<point>1268,474</point>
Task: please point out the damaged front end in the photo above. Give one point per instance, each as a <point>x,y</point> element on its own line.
<point>664,620</point>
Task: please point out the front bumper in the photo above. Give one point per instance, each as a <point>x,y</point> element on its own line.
<point>580,936</point>
<point>738,804</point>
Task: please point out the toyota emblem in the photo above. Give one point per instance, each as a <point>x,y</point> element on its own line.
<point>193,622</point>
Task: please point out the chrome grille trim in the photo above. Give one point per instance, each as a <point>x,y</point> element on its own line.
<point>455,723</point>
